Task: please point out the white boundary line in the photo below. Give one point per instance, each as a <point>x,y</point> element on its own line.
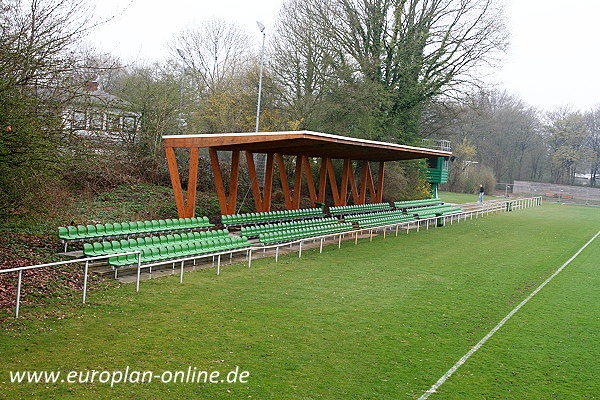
<point>464,358</point>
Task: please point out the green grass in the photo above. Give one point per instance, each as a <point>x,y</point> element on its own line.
<point>380,320</point>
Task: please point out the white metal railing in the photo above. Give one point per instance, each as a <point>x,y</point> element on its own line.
<point>87,260</point>
<point>485,208</point>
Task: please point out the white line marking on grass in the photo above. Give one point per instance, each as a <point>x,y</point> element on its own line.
<point>464,358</point>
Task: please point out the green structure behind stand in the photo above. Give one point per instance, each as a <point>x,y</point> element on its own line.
<point>437,172</point>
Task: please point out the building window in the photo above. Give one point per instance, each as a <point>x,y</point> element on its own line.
<point>129,124</point>
<point>78,121</point>
<point>113,123</point>
<point>96,120</point>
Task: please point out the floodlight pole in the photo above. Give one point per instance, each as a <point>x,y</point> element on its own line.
<point>260,160</point>
<point>179,117</point>
<point>260,73</point>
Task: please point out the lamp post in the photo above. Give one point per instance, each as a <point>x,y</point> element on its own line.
<point>260,73</point>
<point>180,115</point>
<point>260,160</point>
<point>466,167</point>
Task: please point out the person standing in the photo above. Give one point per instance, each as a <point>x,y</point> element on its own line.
<point>481,191</point>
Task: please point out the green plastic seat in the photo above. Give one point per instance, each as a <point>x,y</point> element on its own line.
<point>163,252</point>
<point>155,254</point>
<point>88,250</point>
<point>129,227</point>
<point>73,234</point>
<point>106,248</point>
<point>148,226</point>
<point>115,246</point>
<point>100,231</point>
<point>82,231</point>
<point>91,231</point>
<point>162,225</point>
<point>124,245</point>
<point>63,233</point>
<point>117,229</point>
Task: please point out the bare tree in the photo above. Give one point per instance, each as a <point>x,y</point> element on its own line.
<point>212,53</point>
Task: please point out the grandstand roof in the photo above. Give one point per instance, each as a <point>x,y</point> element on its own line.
<point>308,143</point>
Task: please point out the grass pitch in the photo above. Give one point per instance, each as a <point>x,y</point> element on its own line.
<point>380,320</point>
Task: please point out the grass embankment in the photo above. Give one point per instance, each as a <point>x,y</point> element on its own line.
<point>378,320</point>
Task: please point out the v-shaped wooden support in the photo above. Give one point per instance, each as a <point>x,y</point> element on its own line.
<point>184,209</point>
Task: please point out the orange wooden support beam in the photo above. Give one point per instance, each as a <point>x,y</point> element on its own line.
<point>353,188</point>
<point>309,181</point>
<point>346,172</point>
<point>297,183</point>
<point>190,207</point>
<point>175,181</point>
<point>285,187</point>
<point>322,180</point>
<point>268,188</point>
<point>233,181</point>
<point>333,183</point>
<point>254,181</point>
<point>214,162</point>
<point>373,194</point>
<point>363,182</point>
<point>380,178</point>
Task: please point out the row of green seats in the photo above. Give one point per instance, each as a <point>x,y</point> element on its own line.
<point>255,230</point>
<point>249,218</point>
<point>384,214</point>
<point>381,221</point>
<point>428,212</point>
<point>359,208</point>
<point>417,203</point>
<point>82,232</point>
<point>126,245</point>
<point>299,233</point>
<point>180,250</point>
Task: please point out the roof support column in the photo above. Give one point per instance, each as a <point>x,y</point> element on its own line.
<point>214,162</point>
<point>285,187</point>
<point>309,181</point>
<point>175,181</point>
<point>268,187</point>
<point>322,180</point>
<point>184,209</point>
<point>353,188</point>
<point>297,183</point>
<point>380,178</point>
<point>190,208</point>
<point>254,182</point>
<point>332,182</point>
<point>233,181</point>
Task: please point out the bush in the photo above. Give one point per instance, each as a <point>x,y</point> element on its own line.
<point>406,180</point>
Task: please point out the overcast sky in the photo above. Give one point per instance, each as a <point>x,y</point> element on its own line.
<point>552,61</point>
